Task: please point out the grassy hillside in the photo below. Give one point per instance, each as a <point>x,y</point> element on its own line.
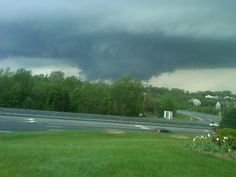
<point>105,154</point>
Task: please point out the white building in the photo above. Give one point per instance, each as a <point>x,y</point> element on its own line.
<point>227,97</point>
<point>209,96</point>
<point>218,106</point>
<point>212,97</point>
<point>195,102</point>
<point>168,115</point>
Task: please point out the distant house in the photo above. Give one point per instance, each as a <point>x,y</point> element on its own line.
<point>227,97</point>
<point>212,97</point>
<point>195,102</point>
<point>209,96</point>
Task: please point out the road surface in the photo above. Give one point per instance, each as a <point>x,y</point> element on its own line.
<point>203,117</point>
<point>24,120</point>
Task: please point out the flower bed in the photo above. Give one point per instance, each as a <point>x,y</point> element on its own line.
<point>210,143</point>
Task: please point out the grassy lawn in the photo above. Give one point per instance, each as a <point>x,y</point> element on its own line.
<point>105,154</point>
<point>179,116</point>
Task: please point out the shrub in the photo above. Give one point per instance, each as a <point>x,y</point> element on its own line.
<point>229,118</point>
<point>210,144</point>
<point>228,132</point>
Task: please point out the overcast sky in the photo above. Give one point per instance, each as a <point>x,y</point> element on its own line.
<point>157,40</point>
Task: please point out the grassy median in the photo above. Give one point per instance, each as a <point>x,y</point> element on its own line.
<point>105,154</point>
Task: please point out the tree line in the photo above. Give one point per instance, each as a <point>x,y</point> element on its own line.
<point>56,92</point>
<point>125,96</point>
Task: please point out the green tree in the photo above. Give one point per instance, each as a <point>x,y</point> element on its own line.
<point>127,97</point>
<point>23,83</point>
<point>57,75</point>
<point>59,100</point>
<point>229,118</point>
<point>166,103</point>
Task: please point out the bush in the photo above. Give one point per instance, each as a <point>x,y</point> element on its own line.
<point>226,132</point>
<point>229,118</point>
<point>232,143</point>
<point>210,144</point>
<point>230,133</point>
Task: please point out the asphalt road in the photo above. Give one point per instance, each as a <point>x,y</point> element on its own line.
<point>203,117</point>
<point>28,120</point>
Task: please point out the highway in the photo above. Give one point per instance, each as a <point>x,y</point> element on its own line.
<point>203,117</point>
<point>34,120</point>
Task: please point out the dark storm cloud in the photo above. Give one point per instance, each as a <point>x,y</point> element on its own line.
<point>108,39</point>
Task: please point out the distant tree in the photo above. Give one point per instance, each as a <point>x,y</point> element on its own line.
<point>39,95</point>
<point>57,74</point>
<point>23,83</point>
<point>127,97</point>
<point>229,118</point>
<point>56,77</point>
<point>59,100</point>
<point>167,104</point>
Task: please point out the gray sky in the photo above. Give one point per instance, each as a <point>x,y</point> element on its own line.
<point>106,39</point>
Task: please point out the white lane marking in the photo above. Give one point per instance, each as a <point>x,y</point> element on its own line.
<point>142,127</point>
<point>30,120</point>
<point>206,130</point>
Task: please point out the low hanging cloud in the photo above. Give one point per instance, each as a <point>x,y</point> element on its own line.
<point>108,39</point>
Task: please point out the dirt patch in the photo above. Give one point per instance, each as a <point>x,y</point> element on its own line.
<point>115,132</point>
<point>5,131</point>
<point>226,156</point>
<point>179,137</point>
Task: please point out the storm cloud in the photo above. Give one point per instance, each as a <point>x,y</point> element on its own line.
<point>107,39</point>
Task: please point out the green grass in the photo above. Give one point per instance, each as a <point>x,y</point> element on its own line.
<point>104,154</point>
<point>179,116</point>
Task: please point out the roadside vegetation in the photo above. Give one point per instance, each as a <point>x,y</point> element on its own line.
<point>223,142</point>
<point>124,96</point>
<point>109,153</point>
<point>179,116</point>
<point>229,118</point>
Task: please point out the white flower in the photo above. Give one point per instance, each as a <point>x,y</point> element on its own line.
<point>229,150</point>
<point>225,138</point>
<point>209,135</point>
<point>194,139</point>
<point>217,139</point>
